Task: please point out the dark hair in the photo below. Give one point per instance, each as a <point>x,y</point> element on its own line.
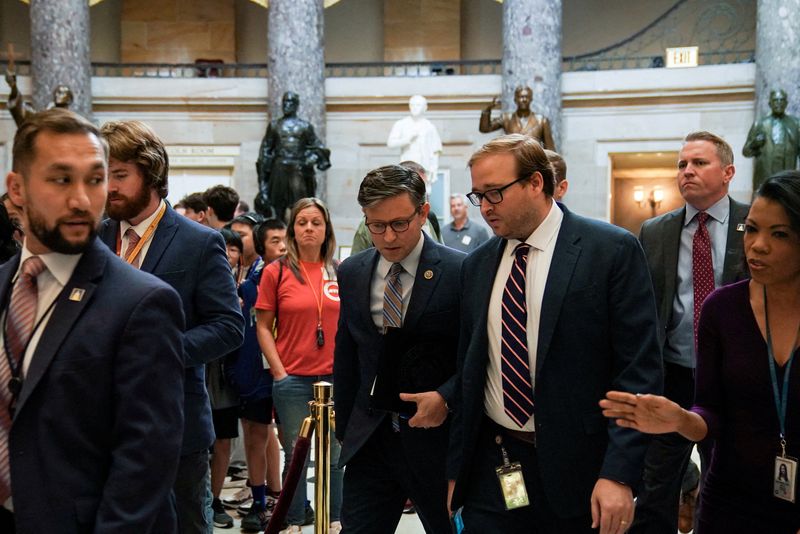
<point>389,181</point>
<point>135,142</point>
<point>260,233</point>
<point>8,245</point>
<point>232,238</point>
<point>558,164</point>
<point>195,202</point>
<point>528,154</point>
<point>784,188</point>
<point>243,206</point>
<point>251,219</point>
<point>55,120</point>
<point>223,200</point>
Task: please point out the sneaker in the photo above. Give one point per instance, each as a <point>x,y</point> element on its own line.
<point>335,528</point>
<point>238,498</point>
<point>408,508</point>
<point>310,515</point>
<point>293,529</point>
<point>221,517</point>
<point>255,520</point>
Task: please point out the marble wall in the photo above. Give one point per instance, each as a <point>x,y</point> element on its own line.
<point>604,114</point>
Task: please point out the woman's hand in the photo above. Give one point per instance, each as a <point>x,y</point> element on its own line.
<point>651,414</point>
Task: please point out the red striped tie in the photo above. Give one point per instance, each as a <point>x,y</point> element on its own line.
<point>19,327</point>
<point>516,371</point>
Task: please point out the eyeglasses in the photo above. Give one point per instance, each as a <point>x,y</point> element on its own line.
<point>399,225</point>
<point>493,196</point>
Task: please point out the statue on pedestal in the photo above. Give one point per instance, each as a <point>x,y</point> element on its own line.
<point>286,160</point>
<point>522,121</point>
<point>417,138</point>
<point>21,110</point>
<point>774,140</point>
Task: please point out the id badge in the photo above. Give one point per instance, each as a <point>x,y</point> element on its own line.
<point>512,484</point>
<point>785,479</point>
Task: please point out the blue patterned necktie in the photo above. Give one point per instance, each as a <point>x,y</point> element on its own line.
<point>517,385</point>
<point>393,298</point>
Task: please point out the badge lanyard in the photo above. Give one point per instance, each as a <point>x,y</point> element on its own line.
<point>781,397</point>
<point>145,237</point>
<point>318,299</point>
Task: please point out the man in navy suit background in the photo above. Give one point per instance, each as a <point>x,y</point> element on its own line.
<point>529,384</point>
<point>146,232</point>
<point>389,457</point>
<point>96,431</point>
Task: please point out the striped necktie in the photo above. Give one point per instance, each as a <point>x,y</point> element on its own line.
<point>517,385</point>
<point>19,327</point>
<point>393,298</point>
<point>133,240</point>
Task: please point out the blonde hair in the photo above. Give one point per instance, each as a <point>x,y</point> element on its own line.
<point>328,245</point>
<point>528,154</point>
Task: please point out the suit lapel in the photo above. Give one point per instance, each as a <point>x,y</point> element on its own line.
<point>161,240</point>
<point>480,295</point>
<point>366,272</point>
<point>65,313</point>
<point>734,245</point>
<point>671,244</point>
<point>565,257</point>
<point>425,281</point>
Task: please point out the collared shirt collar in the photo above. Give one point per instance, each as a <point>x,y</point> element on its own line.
<point>465,227</point>
<point>409,263</point>
<point>719,211</point>
<point>141,228</point>
<point>59,265</point>
<point>544,233</point>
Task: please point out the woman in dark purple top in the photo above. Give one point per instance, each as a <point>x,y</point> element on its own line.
<point>747,342</point>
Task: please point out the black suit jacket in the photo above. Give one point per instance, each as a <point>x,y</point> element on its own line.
<point>191,258</point>
<point>432,315</point>
<point>598,332</point>
<point>661,240</point>
<point>97,432</point>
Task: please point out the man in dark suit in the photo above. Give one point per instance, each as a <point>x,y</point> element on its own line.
<point>146,232</point>
<point>555,310</point>
<point>407,285</point>
<point>671,241</point>
<point>95,395</point>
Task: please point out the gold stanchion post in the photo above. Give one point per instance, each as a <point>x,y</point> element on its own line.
<point>322,409</point>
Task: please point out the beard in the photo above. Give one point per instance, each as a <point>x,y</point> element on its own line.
<point>52,237</point>
<point>130,207</point>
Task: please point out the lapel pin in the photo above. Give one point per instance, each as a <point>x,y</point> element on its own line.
<point>76,295</point>
<point>740,227</point>
<point>428,274</point>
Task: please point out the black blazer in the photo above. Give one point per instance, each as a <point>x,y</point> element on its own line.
<point>598,331</point>
<point>661,240</point>
<point>97,432</point>
<point>432,315</point>
<point>191,258</point>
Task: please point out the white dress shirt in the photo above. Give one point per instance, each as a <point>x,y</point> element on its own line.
<point>410,264</point>
<point>540,255</point>
<point>140,229</point>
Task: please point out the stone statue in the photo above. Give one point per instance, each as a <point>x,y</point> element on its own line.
<point>774,140</point>
<point>522,121</point>
<point>286,160</point>
<point>21,110</point>
<point>417,137</point>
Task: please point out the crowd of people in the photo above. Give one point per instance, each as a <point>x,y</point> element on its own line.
<point>551,378</point>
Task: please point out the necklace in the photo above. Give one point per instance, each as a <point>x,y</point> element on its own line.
<point>318,299</point>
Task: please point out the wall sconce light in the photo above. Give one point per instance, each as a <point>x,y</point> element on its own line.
<point>654,199</point>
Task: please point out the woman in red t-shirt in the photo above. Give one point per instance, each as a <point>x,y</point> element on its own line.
<point>301,294</point>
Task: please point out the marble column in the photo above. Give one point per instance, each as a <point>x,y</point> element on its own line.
<point>532,56</point>
<point>60,52</point>
<point>297,63</point>
<point>777,58</point>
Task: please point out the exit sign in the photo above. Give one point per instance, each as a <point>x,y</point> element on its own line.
<point>684,56</point>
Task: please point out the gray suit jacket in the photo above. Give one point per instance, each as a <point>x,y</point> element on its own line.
<point>661,239</point>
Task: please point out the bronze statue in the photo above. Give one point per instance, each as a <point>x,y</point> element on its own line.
<point>286,160</point>
<point>522,121</point>
<point>774,140</point>
<point>21,110</point>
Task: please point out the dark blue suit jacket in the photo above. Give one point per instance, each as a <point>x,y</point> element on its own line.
<point>432,314</point>
<point>191,258</point>
<point>598,331</point>
<point>96,437</point>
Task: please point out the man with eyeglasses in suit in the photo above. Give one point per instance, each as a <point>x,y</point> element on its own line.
<point>407,284</point>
